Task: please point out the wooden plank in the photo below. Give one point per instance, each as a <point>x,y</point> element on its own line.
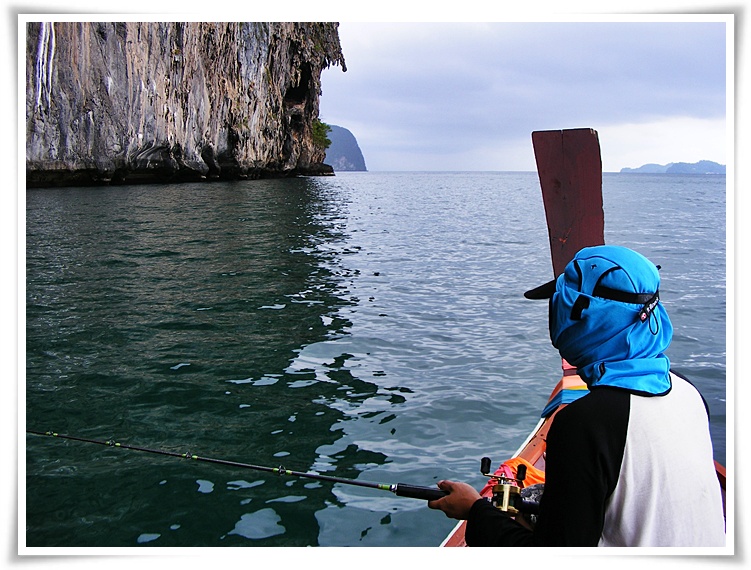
<point>570,171</point>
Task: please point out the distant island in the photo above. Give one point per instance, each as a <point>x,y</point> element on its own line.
<point>344,153</point>
<point>701,167</point>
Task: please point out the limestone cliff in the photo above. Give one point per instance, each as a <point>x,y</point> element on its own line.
<point>344,154</point>
<point>142,102</point>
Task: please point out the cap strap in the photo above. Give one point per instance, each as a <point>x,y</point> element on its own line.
<point>622,296</point>
<point>648,307</point>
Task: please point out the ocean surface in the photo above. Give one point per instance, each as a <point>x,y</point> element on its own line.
<point>368,326</point>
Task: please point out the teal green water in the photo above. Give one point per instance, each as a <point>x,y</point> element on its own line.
<point>368,326</point>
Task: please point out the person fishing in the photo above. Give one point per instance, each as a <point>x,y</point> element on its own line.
<point>631,462</point>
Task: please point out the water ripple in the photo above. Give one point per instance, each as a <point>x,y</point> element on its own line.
<point>365,326</point>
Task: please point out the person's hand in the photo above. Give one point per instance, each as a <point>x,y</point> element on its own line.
<point>458,502</point>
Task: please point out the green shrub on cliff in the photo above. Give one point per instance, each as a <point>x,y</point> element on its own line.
<point>320,130</point>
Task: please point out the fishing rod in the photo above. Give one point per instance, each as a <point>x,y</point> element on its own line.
<point>399,489</point>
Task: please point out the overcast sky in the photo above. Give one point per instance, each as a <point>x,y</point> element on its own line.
<point>463,96</point>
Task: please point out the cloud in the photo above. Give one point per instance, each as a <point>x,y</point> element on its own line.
<point>463,96</point>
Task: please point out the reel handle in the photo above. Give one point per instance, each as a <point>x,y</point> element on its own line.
<point>521,472</point>
<point>485,465</point>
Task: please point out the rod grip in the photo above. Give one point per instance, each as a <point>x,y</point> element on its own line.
<point>417,492</point>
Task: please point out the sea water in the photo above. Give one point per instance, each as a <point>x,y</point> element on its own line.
<point>369,326</point>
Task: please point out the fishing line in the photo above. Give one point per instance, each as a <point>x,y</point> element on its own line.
<point>399,489</point>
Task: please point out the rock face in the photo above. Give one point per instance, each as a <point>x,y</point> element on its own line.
<point>145,102</point>
<point>344,154</point>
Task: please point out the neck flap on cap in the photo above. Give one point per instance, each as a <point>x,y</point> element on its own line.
<point>598,322</point>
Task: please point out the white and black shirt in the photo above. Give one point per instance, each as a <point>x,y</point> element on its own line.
<point>621,470</point>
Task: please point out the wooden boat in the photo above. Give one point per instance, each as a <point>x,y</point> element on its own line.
<point>570,172</point>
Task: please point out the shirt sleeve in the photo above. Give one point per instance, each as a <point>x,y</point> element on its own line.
<point>487,526</point>
<point>584,450</point>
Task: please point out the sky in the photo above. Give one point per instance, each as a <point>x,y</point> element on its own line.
<point>467,96</point>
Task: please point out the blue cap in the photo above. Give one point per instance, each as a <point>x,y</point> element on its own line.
<point>606,319</point>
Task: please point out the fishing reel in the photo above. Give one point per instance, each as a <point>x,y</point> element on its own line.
<point>511,497</point>
<point>506,490</point>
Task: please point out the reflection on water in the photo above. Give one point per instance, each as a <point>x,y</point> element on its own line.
<point>191,317</point>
